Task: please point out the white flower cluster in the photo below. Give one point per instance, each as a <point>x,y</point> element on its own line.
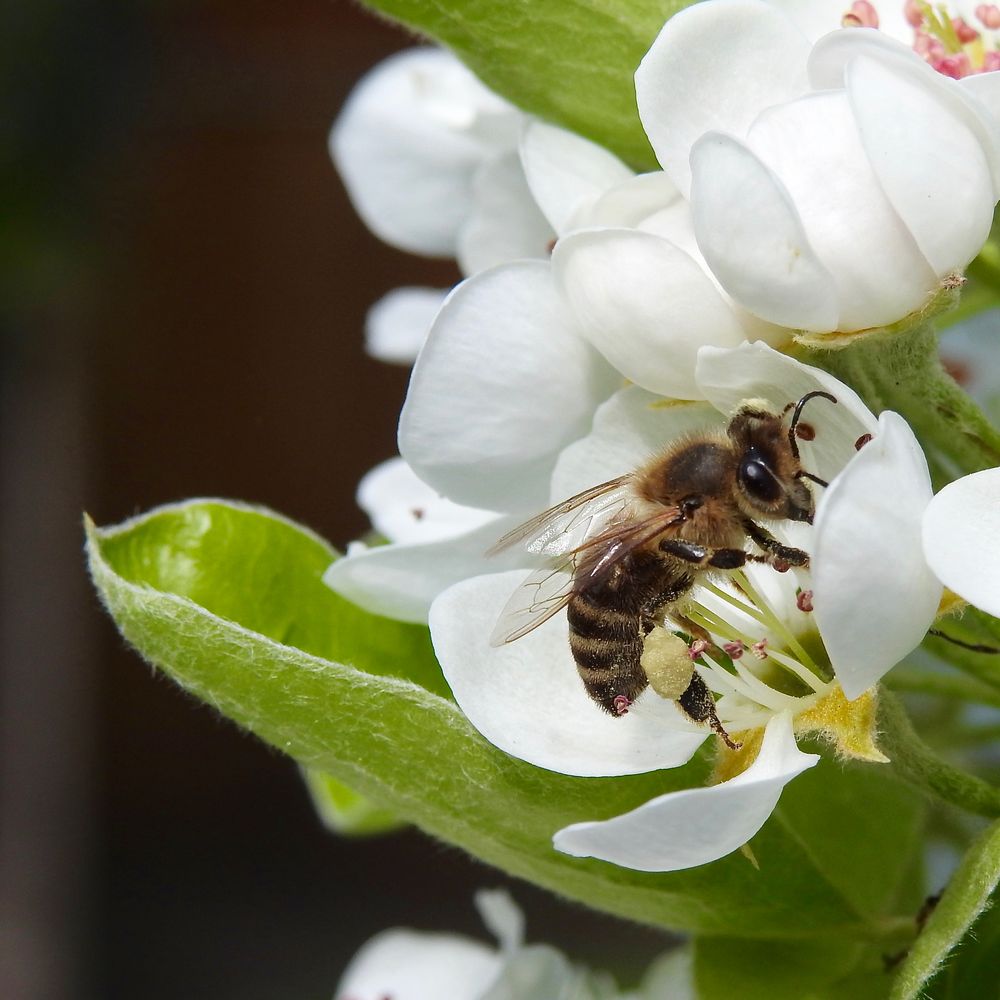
<point>403,964</point>
<point>816,181</point>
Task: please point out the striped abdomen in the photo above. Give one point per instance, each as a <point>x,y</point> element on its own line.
<point>607,626</point>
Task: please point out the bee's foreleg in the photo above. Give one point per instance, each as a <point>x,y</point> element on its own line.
<point>771,545</point>
<point>706,556</point>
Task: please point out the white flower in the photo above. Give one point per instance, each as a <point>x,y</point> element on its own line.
<point>833,186</point>
<point>429,158</point>
<point>526,696</point>
<point>413,965</point>
<point>433,543</point>
<point>961,528</point>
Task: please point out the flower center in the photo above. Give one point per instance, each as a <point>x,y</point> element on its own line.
<point>768,666</point>
<point>951,45</point>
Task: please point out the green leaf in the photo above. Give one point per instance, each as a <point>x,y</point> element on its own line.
<point>568,61</point>
<point>965,898</point>
<point>228,600</point>
<point>813,970</point>
<point>345,811</point>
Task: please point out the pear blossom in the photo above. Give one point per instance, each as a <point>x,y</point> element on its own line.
<point>526,697</point>
<point>433,543</point>
<point>413,965</point>
<point>428,155</point>
<point>798,160</point>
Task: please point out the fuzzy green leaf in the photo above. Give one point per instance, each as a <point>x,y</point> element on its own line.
<point>228,600</point>
<point>568,61</point>
<point>963,901</point>
<point>814,970</point>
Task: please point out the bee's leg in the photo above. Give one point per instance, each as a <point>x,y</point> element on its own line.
<point>706,556</point>
<point>698,703</point>
<point>771,545</point>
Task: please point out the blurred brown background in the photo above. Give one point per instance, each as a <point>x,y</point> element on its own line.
<point>184,287</point>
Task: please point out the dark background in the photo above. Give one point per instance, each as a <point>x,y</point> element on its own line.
<point>183,291</point>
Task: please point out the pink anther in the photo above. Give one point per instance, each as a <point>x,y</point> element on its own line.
<point>964,31</point>
<point>697,648</point>
<point>913,14</point>
<point>862,441</point>
<point>621,704</point>
<point>760,649</point>
<point>861,15</point>
<point>956,66</point>
<point>804,600</point>
<point>989,15</point>
<point>734,650</point>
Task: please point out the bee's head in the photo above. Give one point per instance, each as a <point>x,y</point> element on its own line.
<point>769,477</point>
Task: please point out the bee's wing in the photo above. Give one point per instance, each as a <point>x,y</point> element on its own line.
<point>548,590</point>
<point>543,594</point>
<point>598,556</point>
<point>562,528</point>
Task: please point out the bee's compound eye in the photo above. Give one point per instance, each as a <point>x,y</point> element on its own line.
<point>757,479</point>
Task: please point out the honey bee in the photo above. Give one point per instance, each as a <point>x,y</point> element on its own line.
<point>622,555</point>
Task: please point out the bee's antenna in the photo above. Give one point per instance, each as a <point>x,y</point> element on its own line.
<point>802,474</point>
<point>793,444</point>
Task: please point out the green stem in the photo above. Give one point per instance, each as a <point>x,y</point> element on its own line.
<point>919,766</point>
<point>901,371</point>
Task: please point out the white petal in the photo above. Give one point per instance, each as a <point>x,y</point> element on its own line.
<point>948,203</point>
<point>404,509</point>
<point>409,965</point>
<point>644,304</point>
<point>961,530</point>
<point>502,916</point>
<point>693,827</point>
<point>985,87</point>
<point>813,147</point>
<point>671,976</point>
<point>750,232</point>
<point>715,66</point>
<point>527,698</point>
<point>629,429</point>
<point>504,223</point>
<point>873,595</point>
<point>565,171</point>
<point>630,203</point>
<point>502,384</point>
<point>537,972</point>
<point>396,326</point>
<point>401,581</point>
<point>405,147</point>
<point>816,18</point>
<point>755,371</point>
<point>971,102</point>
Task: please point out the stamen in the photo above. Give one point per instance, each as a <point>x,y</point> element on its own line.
<point>861,15</point>
<point>804,600</point>
<point>964,31</point>
<point>620,704</point>
<point>697,648</point>
<point>862,441</point>
<point>734,650</point>
<point>774,624</point>
<point>759,649</point>
<point>913,13</point>
<point>989,15</point>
